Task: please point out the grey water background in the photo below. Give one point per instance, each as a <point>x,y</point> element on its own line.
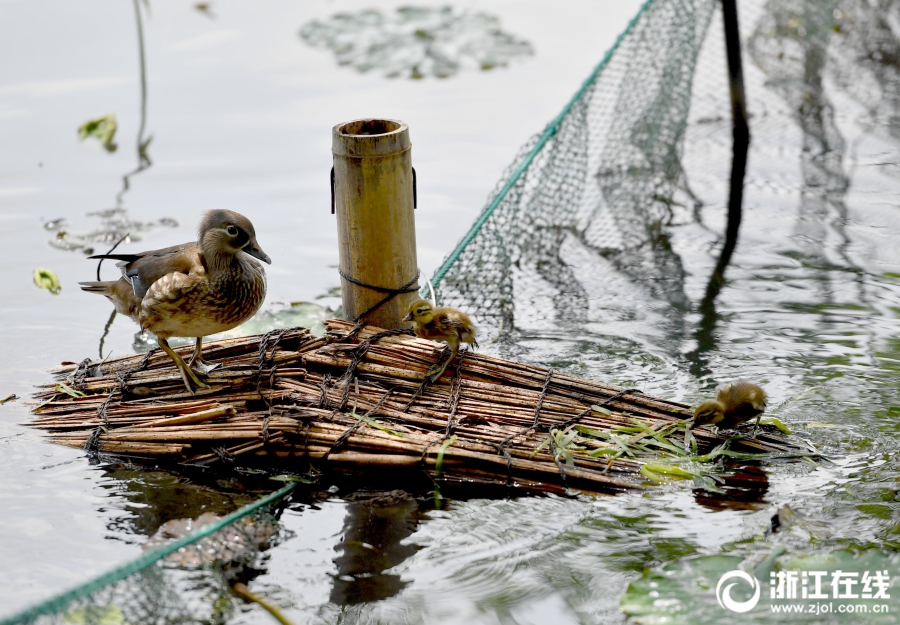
<point>240,112</point>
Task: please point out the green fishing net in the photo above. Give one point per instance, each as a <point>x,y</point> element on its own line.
<point>600,180</point>
<point>615,213</point>
<point>184,575</point>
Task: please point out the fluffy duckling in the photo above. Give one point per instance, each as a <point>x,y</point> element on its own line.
<point>735,403</point>
<point>194,289</point>
<point>441,324</point>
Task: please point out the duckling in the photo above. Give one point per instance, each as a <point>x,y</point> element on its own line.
<point>735,403</point>
<point>194,289</point>
<point>441,324</point>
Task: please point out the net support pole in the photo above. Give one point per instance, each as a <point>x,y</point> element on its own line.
<point>373,197</point>
<point>741,138</point>
<point>741,143</point>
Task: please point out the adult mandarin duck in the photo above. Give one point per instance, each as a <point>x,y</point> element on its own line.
<point>194,289</point>
<point>735,403</point>
<point>441,324</point>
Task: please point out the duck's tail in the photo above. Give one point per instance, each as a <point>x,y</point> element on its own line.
<point>96,287</point>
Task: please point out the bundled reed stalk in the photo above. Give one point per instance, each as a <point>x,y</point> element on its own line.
<point>356,399</point>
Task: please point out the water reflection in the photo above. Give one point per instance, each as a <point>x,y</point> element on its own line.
<point>149,498</point>
<point>143,143</point>
<point>743,488</point>
<point>115,223</point>
<point>791,45</point>
<point>372,542</point>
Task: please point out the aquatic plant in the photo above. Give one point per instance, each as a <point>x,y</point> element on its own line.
<point>416,42</point>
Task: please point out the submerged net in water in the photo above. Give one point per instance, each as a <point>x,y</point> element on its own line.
<point>184,576</point>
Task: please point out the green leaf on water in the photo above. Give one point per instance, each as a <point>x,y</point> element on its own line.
<point>47,279</point>
<point>627,429</point>
<point>103,128</point>
<point>583,429</point>
<point>68,390</point>
<point>564,444</point>
<point>96,615</point>
<point>670,471</point>
<point>375,424</point>
<point>650,475</point>
<point>606,451</point>
<point>622,444</point>
<point>777,423</point>
<point>439,461</point>
<point>302,479</point>
<point>378,426</point>
<point>537,449</point>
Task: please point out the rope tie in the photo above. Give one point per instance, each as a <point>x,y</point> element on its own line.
<point>353,428</point>
<point>265,359</point>
<point>410,287</point>
<point>93,440</point>
<point>455,390</point>
<point>80,374</point>
<point>358,354</point>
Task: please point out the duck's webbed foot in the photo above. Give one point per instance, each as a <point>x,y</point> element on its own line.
<point>197,364</point>
<point>191,381</point>
<point>438,368</point>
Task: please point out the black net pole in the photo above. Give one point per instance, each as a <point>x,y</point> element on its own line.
<point>741,143</point>
<point>741,135</point>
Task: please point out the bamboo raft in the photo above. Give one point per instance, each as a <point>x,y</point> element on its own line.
<point>355,399</point>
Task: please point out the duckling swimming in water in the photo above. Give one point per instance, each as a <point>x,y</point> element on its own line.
<point>441,324</point>
<point>194,289</point>
<point>735,403</point>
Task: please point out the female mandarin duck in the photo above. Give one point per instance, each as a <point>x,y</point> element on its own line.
<point>441,324</point>
<point>735,403</point>
<point>194,289</point>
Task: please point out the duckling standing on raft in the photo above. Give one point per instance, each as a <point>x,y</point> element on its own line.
<point>735,403</point>
<point>441,324</point>
<point>194,289</point>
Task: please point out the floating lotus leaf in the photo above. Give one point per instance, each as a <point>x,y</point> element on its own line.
<point>415,42</point>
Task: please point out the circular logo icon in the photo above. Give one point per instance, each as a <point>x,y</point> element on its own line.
<point>723,592</point>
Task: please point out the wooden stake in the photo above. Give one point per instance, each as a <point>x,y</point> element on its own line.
<point>373,191</point>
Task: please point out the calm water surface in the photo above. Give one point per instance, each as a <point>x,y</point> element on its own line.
<point>240,111</point>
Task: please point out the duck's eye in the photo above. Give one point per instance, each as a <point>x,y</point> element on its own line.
<point>231,230</point>
<point>420,311</point>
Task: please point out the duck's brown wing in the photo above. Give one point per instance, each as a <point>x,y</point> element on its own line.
<point>143,269</point>
<point>459,323</point>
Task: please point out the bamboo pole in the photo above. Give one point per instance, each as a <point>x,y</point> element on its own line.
<point>373,200</point>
